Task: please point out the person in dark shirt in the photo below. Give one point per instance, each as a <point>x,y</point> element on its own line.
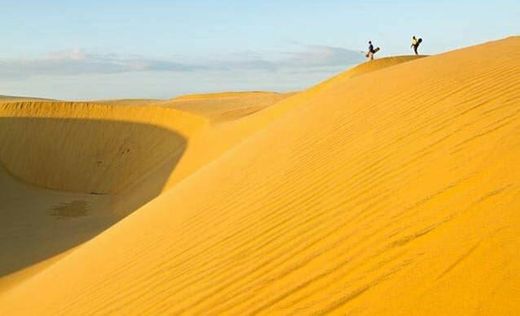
<point>371,51</point>
<point>415,44</point>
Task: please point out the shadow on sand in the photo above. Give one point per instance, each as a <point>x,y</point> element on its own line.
<point>64,181</point>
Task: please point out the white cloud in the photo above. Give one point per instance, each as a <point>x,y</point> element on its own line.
<point>78,62</point>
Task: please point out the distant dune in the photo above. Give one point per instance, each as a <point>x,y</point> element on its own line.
<point>392,188</point>
<point>8,98</point>
<point>126,102</point>
<point>227,106</point>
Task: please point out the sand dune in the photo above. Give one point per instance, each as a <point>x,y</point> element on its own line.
<point>9,98</point>
<point>392,188</point>
<point>92,162</point>
<point>378,64</point>
<point>127,102</point>
<point>57,145</point>
<point>70,170</point>
<point>220,107</point>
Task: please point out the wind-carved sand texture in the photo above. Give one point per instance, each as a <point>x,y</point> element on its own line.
<point>392,188</point>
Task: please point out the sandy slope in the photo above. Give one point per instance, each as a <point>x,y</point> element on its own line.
<point>392,192</point>
<point>70,170</point>
<point>224,133</point>
<point>219,107</point>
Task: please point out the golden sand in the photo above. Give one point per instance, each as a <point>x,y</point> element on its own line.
<point>226,106</point>
<point>392,188</point>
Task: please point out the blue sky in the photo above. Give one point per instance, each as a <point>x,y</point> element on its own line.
<point>160,49</point>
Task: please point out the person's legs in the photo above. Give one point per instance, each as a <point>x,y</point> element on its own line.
<point>415,50</point>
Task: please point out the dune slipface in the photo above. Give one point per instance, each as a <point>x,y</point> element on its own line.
<point>391,191</point>
<point>69,170</point>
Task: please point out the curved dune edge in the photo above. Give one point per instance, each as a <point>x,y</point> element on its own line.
<point>89,148</point>
<point>226,106</point>
<point>75,116</point>
<point>73,141</point>
<point>370,195</point>
<point>70,170</point>
<point>230,106</point>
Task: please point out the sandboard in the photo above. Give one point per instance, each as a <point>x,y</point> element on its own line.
<point>375,51</point>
